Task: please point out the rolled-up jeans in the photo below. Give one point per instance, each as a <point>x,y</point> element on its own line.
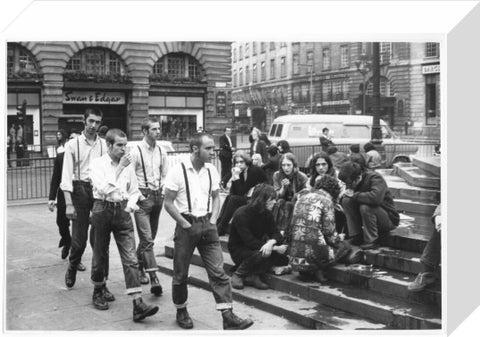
<point>146,220</point>
<point>110,217</point>
<point>431,255</point>
<point>203,236</point>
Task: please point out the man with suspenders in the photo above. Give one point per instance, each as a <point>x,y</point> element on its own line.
<point>192,199</point>
<point>77,188</point>
<point>149,162</point>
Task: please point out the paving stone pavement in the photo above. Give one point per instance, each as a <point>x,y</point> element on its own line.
<point>37,298</point>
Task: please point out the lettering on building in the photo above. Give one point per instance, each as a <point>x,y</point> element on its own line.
<point>93,97</point>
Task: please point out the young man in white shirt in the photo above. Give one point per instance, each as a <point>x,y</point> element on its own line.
<point>192,199</point>
<point>150,164</point>
<point>77,188</point>
<point>115,190</point>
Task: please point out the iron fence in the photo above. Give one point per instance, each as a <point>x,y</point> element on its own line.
<point>30,178</point>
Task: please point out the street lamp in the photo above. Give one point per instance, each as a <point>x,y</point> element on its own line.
<point>310,69</point>
<point>364,66</point>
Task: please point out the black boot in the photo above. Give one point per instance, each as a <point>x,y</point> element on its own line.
<point>233,322</point>
<point>99,301</point>
<point>183,319</point>
<point>107,294</point>
<point>142,310</point>
<point>65,251</point>
<point>70,276</point>
<point>156,288</point>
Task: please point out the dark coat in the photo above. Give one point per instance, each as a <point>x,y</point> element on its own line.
<point>255,175</point>
<point>373,191</point>
<point>225,149</point>
<point>261,149</point>
<point>272,166</point>
<point>249,231</point>
<point>325,143</point>
<point>55,191</point>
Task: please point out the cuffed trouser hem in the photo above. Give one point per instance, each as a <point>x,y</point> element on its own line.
<point>181,306</point>
<point>131,291</point>
<point>151,269</point>
<point>223,306</point>
<point>98,283</point>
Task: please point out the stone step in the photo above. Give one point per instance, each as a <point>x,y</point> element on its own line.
<point>414,207</point>
<point>400,189</point>
<point>416,176</point>
<point>429,164</point>
<point>393,271</point>
<point>406,237</point>
<point>393,312</point>
<point>307,313</point>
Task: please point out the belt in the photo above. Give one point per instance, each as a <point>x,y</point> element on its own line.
<point>81,182</point>
<point>192,218</point>
<point>149,190</point>
<point>113,202</point>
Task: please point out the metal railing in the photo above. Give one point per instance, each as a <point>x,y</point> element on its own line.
<point>30,178</point>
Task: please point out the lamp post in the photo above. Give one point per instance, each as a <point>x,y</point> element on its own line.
<point>363,67</point>
<point>310,69</point>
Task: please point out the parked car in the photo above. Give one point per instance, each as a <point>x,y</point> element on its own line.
<point>305,130</point>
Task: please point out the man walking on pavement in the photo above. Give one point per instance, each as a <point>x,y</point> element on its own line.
<point>226,153</point>
<point>77,188</point>
<point>150,165</point>
<point>192,199</point>
<point>115,190</point>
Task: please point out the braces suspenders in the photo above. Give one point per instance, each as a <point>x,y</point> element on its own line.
<point>78,155</point>
<point>143,166</point>
<point>188,189</point>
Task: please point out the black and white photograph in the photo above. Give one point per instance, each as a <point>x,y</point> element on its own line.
<point>241,183</point>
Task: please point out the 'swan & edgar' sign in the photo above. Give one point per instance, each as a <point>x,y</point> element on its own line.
<point>93,97</point>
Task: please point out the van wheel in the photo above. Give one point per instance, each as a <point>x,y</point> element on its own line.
<point>401,160</point>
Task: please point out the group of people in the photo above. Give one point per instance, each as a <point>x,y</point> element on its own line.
<point>101,182</point>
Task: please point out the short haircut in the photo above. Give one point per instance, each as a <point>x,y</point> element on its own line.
<point>227,128</point>
<point>325,129</point>
<point>197,139</point>
<point>245,156</point>
<point>355,148</point>
<point>349,172</point>
<point>114,133</point>
<point>368,147</point>
<point>147,121</point>
<point>329,184</point>
<point>261,194</point>
<point>92,111</point>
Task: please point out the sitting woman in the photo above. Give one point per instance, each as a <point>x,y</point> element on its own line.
<point>257,160</point>
<point>288,180</point>
<point>283,146</point>
<point>241,180</point>
<point>255,244</point>
<point>314,240</point>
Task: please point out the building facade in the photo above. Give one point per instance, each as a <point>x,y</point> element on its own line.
<point>270,79</point>
<point>185,84</point>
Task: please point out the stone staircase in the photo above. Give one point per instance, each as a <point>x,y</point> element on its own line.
<point>354,298</point>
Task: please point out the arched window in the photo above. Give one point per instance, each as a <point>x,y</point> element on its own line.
<point>386,89</point>
<point>20,62</point>
<point>98,61</point>
<point>178,67</point>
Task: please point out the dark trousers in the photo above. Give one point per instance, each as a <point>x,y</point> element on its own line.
<point>230,205</point>
<point>226,167</point>
<point>82,199</point>
<point>432,252</point>
<point>63,222</point>
<point>109,217</point>
<point>366,219</point>
<point>146,220</point>
<point>259,264</point>
<point>203,236</point>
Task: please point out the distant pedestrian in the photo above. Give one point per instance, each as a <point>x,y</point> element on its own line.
<point>77,188</point>
<point>226,153</point>
<point>102,131</point>
<point>373,158</point>
<point>325,139</point>
<point>62,138</point>
<point>150,165</point>
<point>115,189</point>
<point>192,200</point>
<point>258,145</point>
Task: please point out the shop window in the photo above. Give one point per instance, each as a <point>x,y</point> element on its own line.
<point>20,62</point>
<point>177,127</point>
<point>178,67</point>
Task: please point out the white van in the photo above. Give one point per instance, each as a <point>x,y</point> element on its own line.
<point>302,130</point>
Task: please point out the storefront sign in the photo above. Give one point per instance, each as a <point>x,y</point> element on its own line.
<point>221,102</point>
<point>431,69</point>
<point>93,97</point>
<point>343,102</point>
